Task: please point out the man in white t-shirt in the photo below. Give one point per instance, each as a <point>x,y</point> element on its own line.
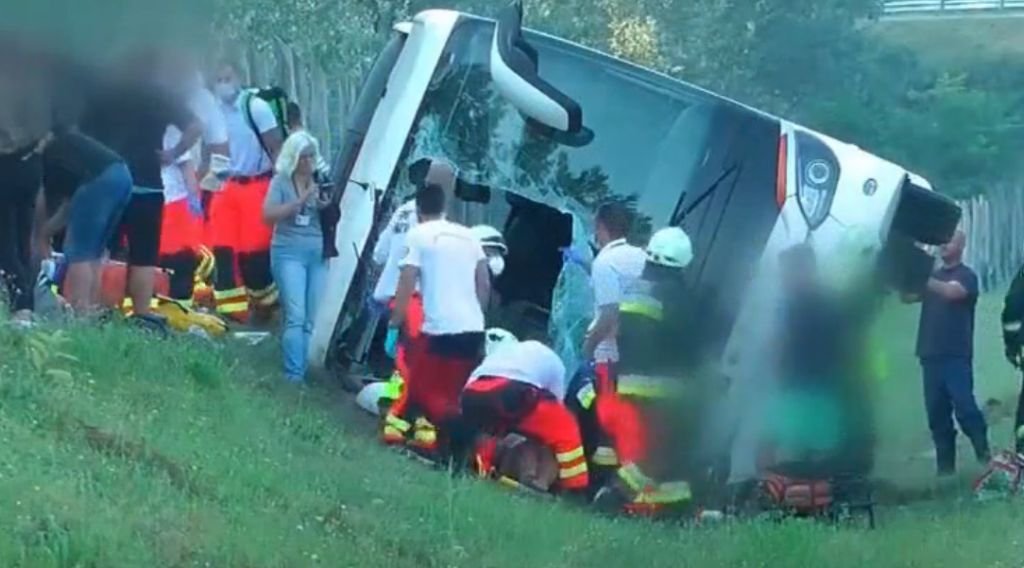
<point>615,275</point>
<point>390,246</point>
<point>236,213</point>
<point>388,253</point>
<point>520,388</point>
<point>448,264</point>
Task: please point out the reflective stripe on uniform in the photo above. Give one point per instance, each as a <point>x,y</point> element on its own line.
<point>128,307</point>
<point>397,423</point>
<point>605,456</point>
<point>1012,326</point>
<point>642,386</point>
<point>265,297</point>
<point>228,295</point>
<point>635,478</point>
<point>586,396</point>
<point>424,433</point>
<point>231,301</point>
<point>570,472</point>
<point>665,494</point>
<point>206,264</point>
<point>646,307</point>
<point>570,456</point>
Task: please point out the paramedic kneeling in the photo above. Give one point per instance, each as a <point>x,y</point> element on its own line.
<point>448,263</point>
<point>945,345</point>
<point>519,388</point>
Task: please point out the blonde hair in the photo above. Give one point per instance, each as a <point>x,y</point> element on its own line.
<point>292,149</point>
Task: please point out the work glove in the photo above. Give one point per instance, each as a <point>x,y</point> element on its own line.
<point>195,204</point>
<point>391,342</point>
<point>574,256</point>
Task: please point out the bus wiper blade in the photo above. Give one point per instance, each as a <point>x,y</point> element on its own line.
<point>679,214</point>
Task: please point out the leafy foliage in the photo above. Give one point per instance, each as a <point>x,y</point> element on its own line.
<point>809,60</point>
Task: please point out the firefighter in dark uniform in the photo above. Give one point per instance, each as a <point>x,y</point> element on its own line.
<point>650,373</point>
<point>1013,339</point>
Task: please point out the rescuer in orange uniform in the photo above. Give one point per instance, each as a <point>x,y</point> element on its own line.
<point>240,238</point>
<point>519,388</point>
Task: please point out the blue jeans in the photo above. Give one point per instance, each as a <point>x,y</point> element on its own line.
<point>949,391</point>
<point>95,213</point>
<point>299,273</point>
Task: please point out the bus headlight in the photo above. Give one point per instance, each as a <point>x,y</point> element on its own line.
<point>817,178</point>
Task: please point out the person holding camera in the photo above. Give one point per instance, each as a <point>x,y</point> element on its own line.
<point>292,207</point>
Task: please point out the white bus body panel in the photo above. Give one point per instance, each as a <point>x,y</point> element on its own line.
<point>376,164</point>
<point>855,218</point>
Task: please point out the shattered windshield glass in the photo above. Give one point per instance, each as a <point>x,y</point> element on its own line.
<point>647,145</point>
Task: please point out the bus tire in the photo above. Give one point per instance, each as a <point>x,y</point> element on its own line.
<point>926,216</point>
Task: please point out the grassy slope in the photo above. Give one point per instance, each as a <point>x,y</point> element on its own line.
<point>966,41</point>
<point>170,454</point>
<point>903,426</point>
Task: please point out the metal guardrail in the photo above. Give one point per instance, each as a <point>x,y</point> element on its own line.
<point>900,7</point>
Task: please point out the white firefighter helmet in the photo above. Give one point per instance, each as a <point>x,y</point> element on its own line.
<point>490,238</point>
<point>670,247</point>
<point>498,338</point>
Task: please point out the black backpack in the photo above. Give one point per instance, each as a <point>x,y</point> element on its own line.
<point>277,98</point>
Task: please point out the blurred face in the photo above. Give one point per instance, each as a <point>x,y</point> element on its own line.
<point>601,234</point>
<point>953,251</point>
<point>307,163</point>
<point>442,174</point>
<point>226,83</point>
<point>181,72</point>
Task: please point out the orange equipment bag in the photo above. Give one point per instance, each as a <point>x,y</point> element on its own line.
<point>114,283</point>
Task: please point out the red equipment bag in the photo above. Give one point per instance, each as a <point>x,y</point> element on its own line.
<point>800,495</point>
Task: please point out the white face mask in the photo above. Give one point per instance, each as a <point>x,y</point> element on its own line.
<point>226,91</point>
<point>496,264</point>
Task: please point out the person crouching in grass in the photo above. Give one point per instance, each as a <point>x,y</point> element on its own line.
<point>296,254</point>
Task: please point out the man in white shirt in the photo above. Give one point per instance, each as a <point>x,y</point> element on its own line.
<point>448,264</point>
<point>236,218</point>
<point>390,246</point>
<point>616,273</point>
<point>520,388</point>
<point>388,253</point>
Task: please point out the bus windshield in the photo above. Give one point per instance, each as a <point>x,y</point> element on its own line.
<point>647,142</point>
<point>653,143</point>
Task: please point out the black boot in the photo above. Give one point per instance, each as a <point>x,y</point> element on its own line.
<point>945,458</point>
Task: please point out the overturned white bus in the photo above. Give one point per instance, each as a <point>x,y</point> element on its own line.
<point>543,130</point>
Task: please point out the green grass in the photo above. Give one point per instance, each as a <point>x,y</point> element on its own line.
<point>146,453</point>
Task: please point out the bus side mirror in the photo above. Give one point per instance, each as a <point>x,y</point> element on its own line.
<point>514,73</point>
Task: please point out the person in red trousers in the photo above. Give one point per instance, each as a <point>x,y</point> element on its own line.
<point>239,237</point>
<point>519,388</point>
<point>448,264</point>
